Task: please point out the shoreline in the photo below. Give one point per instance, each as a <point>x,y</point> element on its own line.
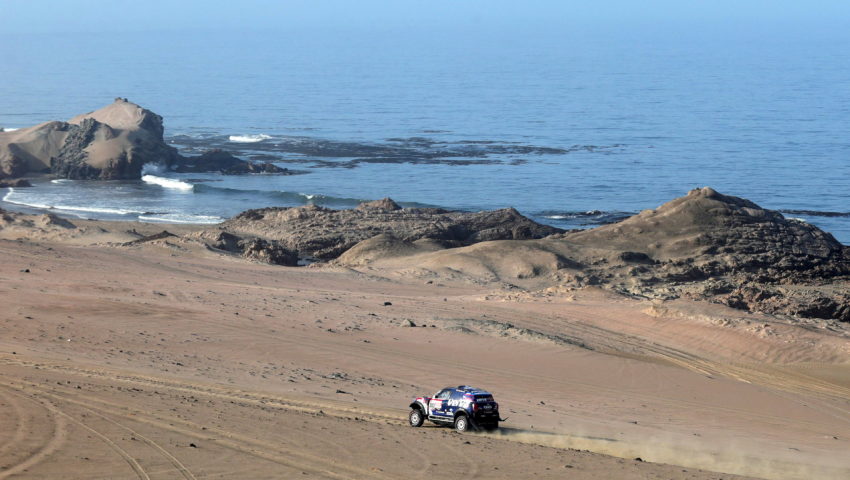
<point>543,219</point>
<point>581,220</point>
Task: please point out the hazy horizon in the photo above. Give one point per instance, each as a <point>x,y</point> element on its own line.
<point>722,17</point>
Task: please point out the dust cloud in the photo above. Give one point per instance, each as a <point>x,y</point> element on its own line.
<point>732,459</point>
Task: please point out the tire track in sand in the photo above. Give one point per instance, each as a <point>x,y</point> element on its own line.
<point>56,440</point>
<point>22,421</point>
<point>185,472</point>
<point>270,451</point>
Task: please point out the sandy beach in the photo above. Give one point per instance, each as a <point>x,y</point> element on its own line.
<point>164,359</point>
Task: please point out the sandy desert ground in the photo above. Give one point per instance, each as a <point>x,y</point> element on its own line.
<point>166,360</point>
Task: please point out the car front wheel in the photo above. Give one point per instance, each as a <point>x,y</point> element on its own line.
<point>462,423</point>
<point>416,419</point>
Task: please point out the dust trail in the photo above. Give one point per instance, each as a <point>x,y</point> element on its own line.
<point>693,455</point>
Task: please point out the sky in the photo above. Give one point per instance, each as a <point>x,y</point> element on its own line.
<point>67,16</point>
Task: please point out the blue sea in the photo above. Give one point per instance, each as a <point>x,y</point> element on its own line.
<point>572,129</point>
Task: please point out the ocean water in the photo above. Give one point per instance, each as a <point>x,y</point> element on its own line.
<point>573,130</point>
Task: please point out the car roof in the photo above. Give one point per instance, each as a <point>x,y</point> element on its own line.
<point>470,390</point>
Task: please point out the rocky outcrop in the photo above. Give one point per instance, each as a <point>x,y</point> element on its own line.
<point>385,204</point>
<point>723,249</point>
<point>218,160</point>
<point>111,143</point>
<point>29,150</point>
<point>706,234</point>
<point>323,233</point>
<point>114,142</point>
<point>704,246</point>
<point>250,247</point>
<point>268,251</point>
<point>15,183</point>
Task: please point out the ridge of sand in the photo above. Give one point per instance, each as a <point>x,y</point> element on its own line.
<point>161,357</point>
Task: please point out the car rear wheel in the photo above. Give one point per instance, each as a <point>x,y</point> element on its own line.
<point>416,418</point>
<point>462,423</point>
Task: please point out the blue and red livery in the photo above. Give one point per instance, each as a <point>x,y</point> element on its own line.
<point>463,407</point>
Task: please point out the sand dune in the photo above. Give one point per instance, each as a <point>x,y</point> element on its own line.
<point>163,358</point>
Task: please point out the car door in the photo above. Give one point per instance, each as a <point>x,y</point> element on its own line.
<point>458,401</point>
<point>439,403</point>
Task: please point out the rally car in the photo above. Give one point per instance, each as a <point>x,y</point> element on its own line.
<point>463,407</point>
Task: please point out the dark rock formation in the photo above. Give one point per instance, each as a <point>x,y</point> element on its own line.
<point>385,204</point>
<point>111,143</point>
<point>323,233</point>
<point>720,248</point>
<point>266,251</point>
<point>222,161</point>
<point>15,183</point>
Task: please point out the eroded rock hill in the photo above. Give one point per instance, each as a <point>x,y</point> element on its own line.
<point>324,234</point>
<point>705,246</point>
<point>722,248</point>
<point>111,143</point>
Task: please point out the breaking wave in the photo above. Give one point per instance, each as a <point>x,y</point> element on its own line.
<point>167,182</point>
<point>180,218</point>
<point>68,208</point>
<point>8,199</point>
<point>114,211</point>
<point>248,138</point>
<point>151,174</point>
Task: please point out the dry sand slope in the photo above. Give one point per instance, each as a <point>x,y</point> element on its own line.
<point>166,360</point>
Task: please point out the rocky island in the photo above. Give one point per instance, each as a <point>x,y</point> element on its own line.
<point>112,143</point>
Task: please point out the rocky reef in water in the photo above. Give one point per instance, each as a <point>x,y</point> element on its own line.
<point>217,160</point>
<point>112,143</point>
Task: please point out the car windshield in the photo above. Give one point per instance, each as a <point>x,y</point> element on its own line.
<point>483,398</point>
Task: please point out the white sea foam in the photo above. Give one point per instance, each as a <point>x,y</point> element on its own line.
<point>61,180</point>
<point>8,199</point>
<point>556,217</point>
<point>180,218</point>
<point>167,182</point>
<point>115,211</point>
<point>8,129</point>
<point>67,208</point>
<point>248,138</point>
